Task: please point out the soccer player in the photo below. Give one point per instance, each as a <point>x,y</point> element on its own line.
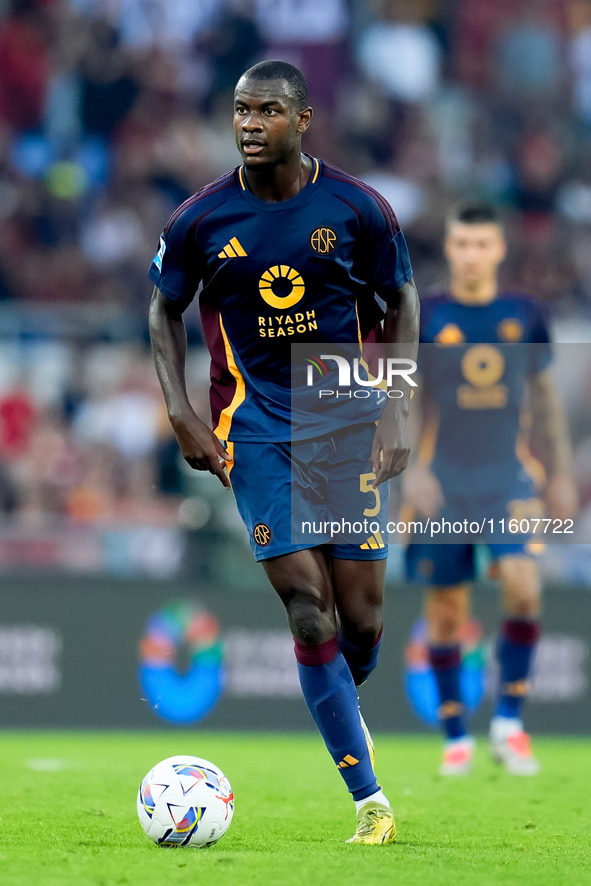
<point>486,348</point>
<point>290,249</point>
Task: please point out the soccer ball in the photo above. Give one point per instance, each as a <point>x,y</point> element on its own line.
<point>185,801</point>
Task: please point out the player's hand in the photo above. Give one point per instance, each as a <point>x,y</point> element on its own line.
<point>422,490</point>
<point>561,496</point>
<point>201,448</point>
<point>390,450</point>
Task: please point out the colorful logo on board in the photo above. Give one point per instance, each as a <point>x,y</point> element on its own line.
<point>419,680</point>
<point>181,668</point>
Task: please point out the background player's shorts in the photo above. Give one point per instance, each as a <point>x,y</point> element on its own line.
<point>451,564</point>
<point>451,560</point>
<point>289,494</point>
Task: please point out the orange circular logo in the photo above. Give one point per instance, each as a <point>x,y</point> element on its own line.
<point>483,365</point>
<point>510,330</point>
<point>261,534</point>
<point>323,240</point>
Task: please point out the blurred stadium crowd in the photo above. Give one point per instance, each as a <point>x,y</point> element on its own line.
<point>114,111</point>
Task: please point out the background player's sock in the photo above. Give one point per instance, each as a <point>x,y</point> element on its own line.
<point>331,698</point>
<point>446,662</point>
<point>361,661</point>
<point>515,649</point>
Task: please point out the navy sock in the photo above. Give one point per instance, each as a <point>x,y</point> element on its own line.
<point>331,697</point>
<point>446,662</point>
<point>361,661</point>
<point>515,649</point>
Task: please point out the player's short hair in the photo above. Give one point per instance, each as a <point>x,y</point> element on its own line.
<point>273,69</point>
<point>474,214</point>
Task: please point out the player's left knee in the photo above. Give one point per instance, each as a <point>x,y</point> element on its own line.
<point>522,600</point>
<point>364,635</point>
<point>521,586</point>
<point>523,606</point>
<point>362,624</point>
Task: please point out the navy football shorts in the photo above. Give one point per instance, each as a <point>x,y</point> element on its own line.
<point>295,496</point>
<point>449,561</point>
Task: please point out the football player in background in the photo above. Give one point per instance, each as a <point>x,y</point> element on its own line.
<point>483,350</point>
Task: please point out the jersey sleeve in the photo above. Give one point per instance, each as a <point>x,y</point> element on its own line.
<point>175,267</point>
<point>540,351</point>
<point>388,262</point>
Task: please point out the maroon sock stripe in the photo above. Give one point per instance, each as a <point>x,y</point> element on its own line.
<point>524,632</point>
<point>443,658</point>
<point>378,638</point>
<point>316,655</point>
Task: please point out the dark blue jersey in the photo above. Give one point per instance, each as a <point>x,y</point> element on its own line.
<point>475,361</point>
<point>273,274</point>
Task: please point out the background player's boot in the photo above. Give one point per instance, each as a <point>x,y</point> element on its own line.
<point>511,746</point>
<point>375,825</point>
<point>369,740</point>
<point>458,754</point>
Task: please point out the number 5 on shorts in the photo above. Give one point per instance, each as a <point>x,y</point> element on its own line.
<point>365,485</point>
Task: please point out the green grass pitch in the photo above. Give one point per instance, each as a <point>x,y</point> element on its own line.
<point>68,814</point>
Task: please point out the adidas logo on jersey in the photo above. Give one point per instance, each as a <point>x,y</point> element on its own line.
<point>233,249</point>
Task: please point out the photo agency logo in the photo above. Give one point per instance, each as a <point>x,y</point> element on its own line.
<point>355,380</point>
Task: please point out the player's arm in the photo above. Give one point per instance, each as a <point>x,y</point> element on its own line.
<point>552,442</point>
<point>390,451</point>
<point>200,447</point>
<point>420,487</point>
